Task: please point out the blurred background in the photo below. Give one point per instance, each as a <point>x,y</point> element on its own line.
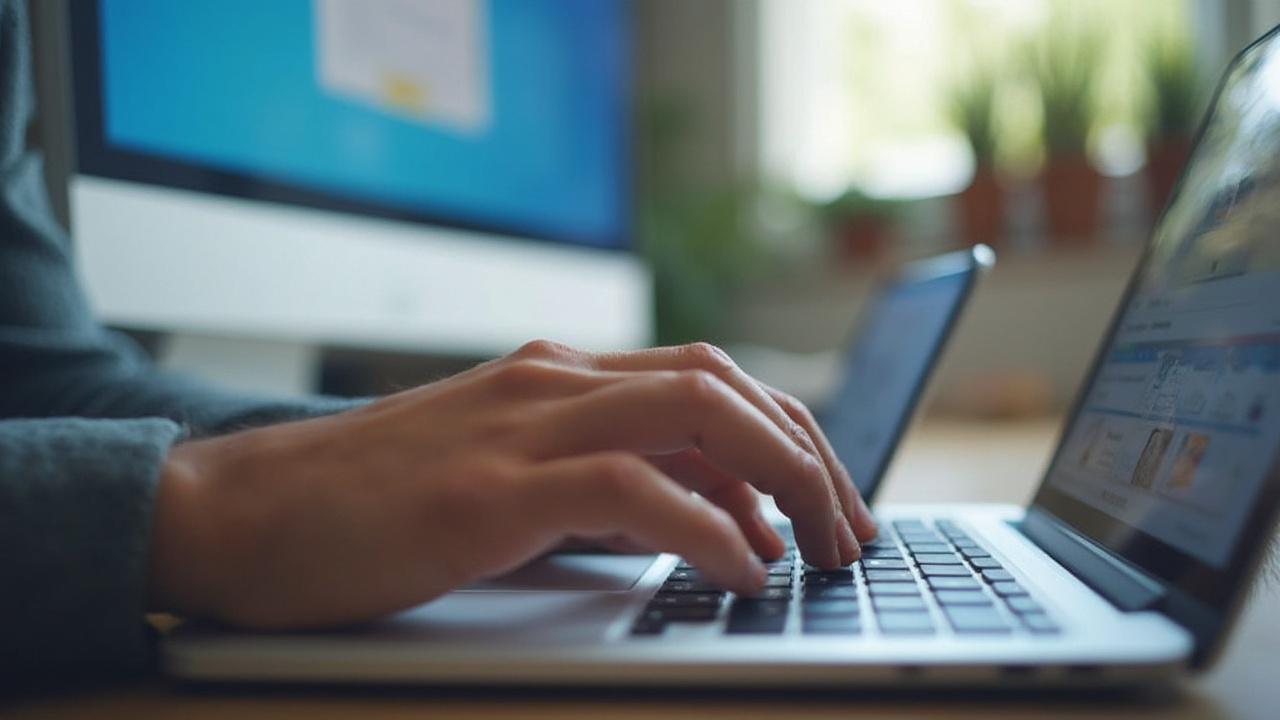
<point>756,165</point>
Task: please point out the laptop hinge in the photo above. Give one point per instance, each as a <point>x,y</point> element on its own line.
<point>1123,585</point>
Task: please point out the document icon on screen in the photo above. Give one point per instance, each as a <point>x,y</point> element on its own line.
<point>426,60</point>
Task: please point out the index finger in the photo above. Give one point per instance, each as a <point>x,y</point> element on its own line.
<point>660,413</point>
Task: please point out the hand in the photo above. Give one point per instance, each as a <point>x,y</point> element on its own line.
<point>348,517</point>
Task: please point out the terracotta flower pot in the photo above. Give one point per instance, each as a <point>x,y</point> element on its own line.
<point>982,208</point>
<point>862,238</point>
<point>1072,190</point>
<point>1165,158</point>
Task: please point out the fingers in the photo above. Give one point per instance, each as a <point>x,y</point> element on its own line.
<point>691,469</point>
<point>707,357</point>
<point>605,494</point>
<point>665,413</point>
<point>855,509</point>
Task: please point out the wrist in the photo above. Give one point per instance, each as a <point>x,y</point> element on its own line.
<point>179,565</point>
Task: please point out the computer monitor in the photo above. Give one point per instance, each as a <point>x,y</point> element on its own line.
<point>448,176</point>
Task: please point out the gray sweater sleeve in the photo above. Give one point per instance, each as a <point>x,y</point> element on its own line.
<point>85,424</point>
<point>75,515</point>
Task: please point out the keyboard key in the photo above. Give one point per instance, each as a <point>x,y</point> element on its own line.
<point>899,603</point>
<point>972,552</point>
<point>830,592</point>
<point>1040,623</point>
<point>776,581</point>
<point>909,523</point>
<point>703,613</point>
<point>966,543</point>
<point>945,571</point>
<point>1023,605</point>
<point>827,580</point>
<point>917,548</point>
<point>840,574</point>
<point>905,623</point>
<point>890,576</point>
<point>880,552</point>
<point>884,564</point>
<point>645,626</point>
<point>976,620</point>
<point>784,571</point>
<point>928,537</point>
<point>686,600</point>
<point>880,541</point>
<point>757,617</point>
<point>772,593</point>
<point>848,625</point>
<point>953,583</point>
<point>1008,588</point>
<point>893,588</point>
<point>687,586</point>
<point>996,575</point>
<point>985,563</point>
<point>842,570</point>
<point>827,607</point>
<point>962,597</point>
<point>938,559</point>
<point>689,575</point>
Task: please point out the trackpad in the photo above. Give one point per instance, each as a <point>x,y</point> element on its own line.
<point>571,571</point>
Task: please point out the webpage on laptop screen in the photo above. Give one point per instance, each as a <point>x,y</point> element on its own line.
<point>1180,426</point>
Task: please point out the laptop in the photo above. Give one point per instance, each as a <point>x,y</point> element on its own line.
<point>1128,566</point>
<point>898,339</point>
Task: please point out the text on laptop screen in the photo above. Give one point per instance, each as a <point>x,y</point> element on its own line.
<point>1179,429</point>
<point>886,366</point>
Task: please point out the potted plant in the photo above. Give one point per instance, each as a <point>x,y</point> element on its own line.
<point>1064,70</point>
<point>981,204</point>
<point>1173,111</point>
<point>860,226</point>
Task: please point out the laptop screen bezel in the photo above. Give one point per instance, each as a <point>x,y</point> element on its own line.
<point>970,263</point>
<point>1219,587</point>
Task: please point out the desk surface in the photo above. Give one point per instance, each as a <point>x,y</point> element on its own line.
<point>941,461</point>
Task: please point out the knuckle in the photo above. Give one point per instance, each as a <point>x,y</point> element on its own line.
<point>810,466</point>
<point>522,375</point>
<point>700,386</point>
<point>542,349</point>
<point>709,357</point>
<point>615,474</point>
<point>799,435</point>
<point>794,407</point>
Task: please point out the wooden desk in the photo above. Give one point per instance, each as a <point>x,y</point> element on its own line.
<point>942,461</point>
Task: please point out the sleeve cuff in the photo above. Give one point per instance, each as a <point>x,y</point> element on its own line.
<point>75,519</point>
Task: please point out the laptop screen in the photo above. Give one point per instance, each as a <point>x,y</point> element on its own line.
<point>900,335</point>
<point>1171,454</point>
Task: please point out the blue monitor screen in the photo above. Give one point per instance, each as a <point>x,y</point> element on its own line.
<point>507,114</point>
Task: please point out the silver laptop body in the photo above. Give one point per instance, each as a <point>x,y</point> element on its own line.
<point>1127,567</point>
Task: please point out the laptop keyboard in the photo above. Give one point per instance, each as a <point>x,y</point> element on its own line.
<point>915,577</point>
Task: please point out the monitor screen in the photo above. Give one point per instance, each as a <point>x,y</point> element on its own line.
<point>1175,437</point>
<point>901,333</point>
<point>503,115</point>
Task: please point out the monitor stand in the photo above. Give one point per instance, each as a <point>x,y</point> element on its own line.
<point>271,367</point>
